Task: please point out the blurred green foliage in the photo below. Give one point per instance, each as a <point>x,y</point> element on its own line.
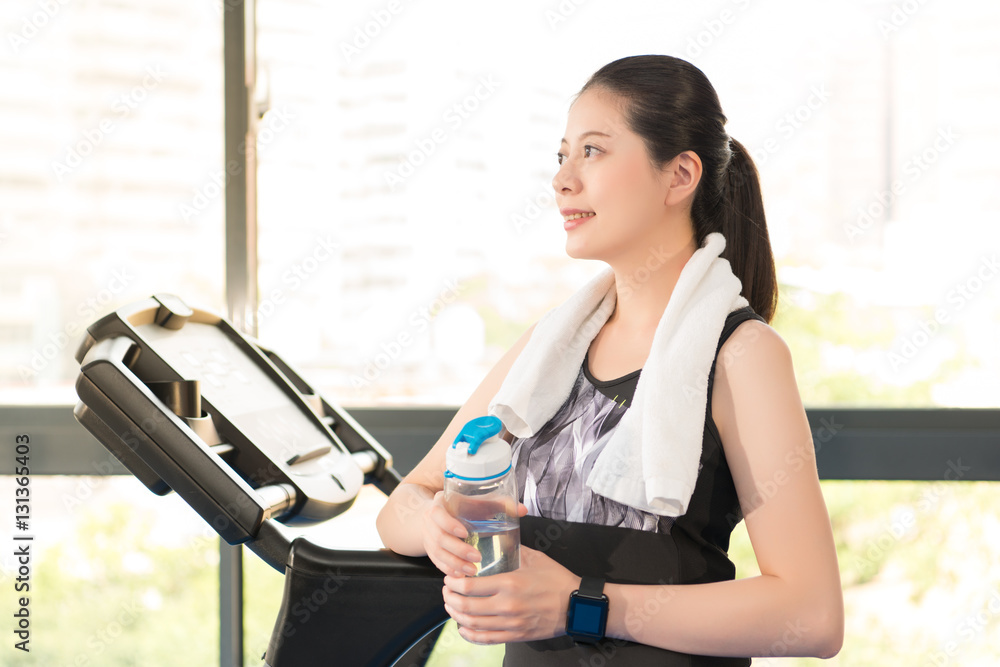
<point>108,596</point>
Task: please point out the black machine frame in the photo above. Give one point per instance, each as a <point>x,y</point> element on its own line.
<point>167,390</point>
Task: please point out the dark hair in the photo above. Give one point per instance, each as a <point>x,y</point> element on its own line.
<point>671,104</point>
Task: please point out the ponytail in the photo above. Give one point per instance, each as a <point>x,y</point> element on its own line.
<point>748,245</point>
<point>671,104</point>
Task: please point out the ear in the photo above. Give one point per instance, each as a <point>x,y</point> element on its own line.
<point>683,174</point>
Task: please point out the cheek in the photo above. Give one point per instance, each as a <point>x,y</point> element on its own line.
<point>633,190</point>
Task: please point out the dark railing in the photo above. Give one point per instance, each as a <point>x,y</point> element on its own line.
<point>851,443</point>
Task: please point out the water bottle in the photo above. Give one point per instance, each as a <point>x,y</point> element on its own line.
<point>480,491</point>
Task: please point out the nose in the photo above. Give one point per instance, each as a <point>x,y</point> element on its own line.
<point>566,181</point>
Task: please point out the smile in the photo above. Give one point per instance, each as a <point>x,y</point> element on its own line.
<point>576,216</point>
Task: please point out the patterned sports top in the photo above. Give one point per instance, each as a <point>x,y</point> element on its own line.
<point>594,536</point>
<point>552,466</point>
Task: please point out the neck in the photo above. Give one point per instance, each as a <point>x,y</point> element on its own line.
<point>645,282</point>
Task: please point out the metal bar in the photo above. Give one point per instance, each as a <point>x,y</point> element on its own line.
<point>240,166</point>
<point>230,605</point>
<point>897,444</point>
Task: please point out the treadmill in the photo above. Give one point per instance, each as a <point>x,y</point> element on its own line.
<point>189,404</point>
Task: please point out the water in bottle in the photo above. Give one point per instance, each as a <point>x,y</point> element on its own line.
<point>480,491</point>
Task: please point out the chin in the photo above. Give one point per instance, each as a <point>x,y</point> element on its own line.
<point>578,250</point>
<point>577,253</point>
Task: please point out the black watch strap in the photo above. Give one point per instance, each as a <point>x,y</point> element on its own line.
<point>592,587</point>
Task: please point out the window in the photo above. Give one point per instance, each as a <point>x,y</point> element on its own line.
<point>408,231</point>
<point>111,127</point>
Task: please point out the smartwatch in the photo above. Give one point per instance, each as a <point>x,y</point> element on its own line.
<point>588,612</point>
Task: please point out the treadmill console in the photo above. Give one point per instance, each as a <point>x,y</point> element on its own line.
<point>226,423</point>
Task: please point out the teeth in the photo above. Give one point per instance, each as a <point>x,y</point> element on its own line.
<point>579,215</point>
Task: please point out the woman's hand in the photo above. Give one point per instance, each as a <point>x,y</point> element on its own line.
<point>528,603</point>
<point>444,537</point>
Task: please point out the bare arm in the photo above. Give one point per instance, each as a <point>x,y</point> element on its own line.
<point>795,606</point>
<point>401,523</point>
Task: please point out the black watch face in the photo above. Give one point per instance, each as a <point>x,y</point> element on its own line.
<point>588,617</point>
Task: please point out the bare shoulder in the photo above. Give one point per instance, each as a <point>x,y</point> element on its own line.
<point>755,384</point>
<point>754,347</point>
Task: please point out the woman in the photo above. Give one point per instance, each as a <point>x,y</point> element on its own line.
<point>646,174</point>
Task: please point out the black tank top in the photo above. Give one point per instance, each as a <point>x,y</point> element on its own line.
<point>594,536</point>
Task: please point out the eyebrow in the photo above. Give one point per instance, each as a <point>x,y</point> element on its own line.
<point>587,134</point>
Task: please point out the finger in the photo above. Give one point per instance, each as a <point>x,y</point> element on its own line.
<point>468,606</point>
<point>453,567</point>
<point>440,539</point>
<point>473,620</point>
<point>463,551</point>
<point>447,523</point>
<point>454,543</point>
<point>522,510</point>
<point>477,587</point>
<point>457,556</point>
<point>484,637</point>
<point>451,564</point>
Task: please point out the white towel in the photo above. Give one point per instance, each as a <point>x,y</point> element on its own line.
<point>651,461</point>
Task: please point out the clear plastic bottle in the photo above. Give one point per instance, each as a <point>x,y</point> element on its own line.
<point>480,491</point>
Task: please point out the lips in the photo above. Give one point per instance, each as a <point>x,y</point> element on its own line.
<point>572,220</point>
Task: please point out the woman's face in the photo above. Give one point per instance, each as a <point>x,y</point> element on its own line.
<point>613,201</point>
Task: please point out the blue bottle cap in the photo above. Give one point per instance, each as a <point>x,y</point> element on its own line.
<point>478,430</point>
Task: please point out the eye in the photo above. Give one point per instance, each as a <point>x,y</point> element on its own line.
<point>588,151</point>
<point>560,157</point>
